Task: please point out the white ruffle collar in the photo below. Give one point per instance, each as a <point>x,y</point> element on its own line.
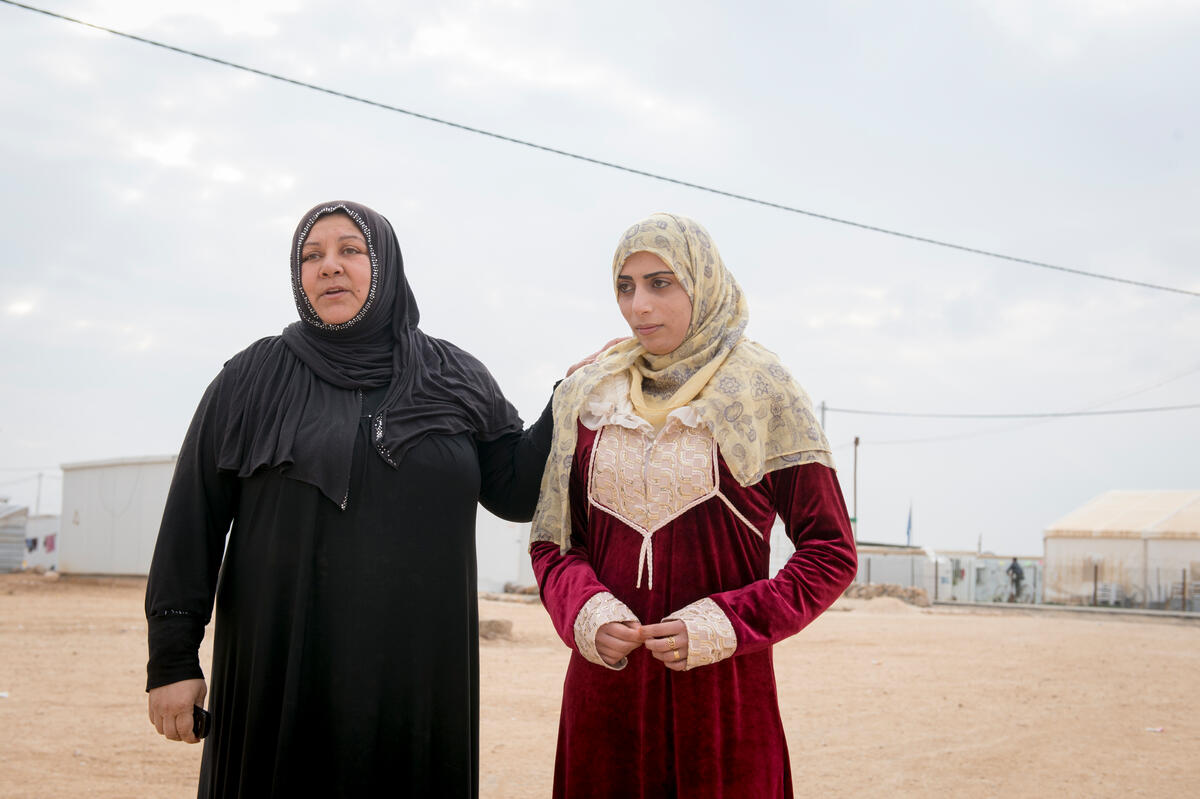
<point>609,404</point>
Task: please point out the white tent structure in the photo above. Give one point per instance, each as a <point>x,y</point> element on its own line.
<point>1127,548</point>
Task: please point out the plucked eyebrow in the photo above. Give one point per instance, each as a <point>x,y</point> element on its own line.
<point>648,275</point>
<point>348,236</point>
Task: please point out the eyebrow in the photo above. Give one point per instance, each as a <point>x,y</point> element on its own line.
<point>648,275</point>
<point>349,236</point>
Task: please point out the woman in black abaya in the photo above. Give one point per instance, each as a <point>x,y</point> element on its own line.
<point>345,459</point>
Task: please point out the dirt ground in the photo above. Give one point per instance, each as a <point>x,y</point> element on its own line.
<point>878,698</point>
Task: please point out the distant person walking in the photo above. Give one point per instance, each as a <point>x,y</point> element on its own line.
<point>1015,575</point>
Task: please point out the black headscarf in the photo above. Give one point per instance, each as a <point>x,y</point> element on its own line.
<point>297,406</point>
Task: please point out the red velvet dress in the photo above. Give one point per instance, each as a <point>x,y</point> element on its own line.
<point>714,730</point>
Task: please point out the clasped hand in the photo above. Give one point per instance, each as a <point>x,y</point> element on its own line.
<point>666,641</point>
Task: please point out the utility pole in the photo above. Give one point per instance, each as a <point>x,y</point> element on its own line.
<point>822,415</point>
<point>854,519</point>
<point>37,503</point>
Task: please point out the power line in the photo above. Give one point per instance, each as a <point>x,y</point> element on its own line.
<point>28,479</point>
<point>1191,371</point>
<point>608,164</point>
<point>1046,415</point>
<point>1033,419</point>
<point>1007,428</point>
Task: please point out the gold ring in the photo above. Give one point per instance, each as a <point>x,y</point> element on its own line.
<point>671,642</point>
<point>677,654</point>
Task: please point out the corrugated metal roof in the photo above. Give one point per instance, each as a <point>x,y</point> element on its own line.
<point>1133,514</point>
<point>19,512</point>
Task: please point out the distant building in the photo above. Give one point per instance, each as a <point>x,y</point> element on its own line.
<point>110,514</point>
<point>112,510</point>
<point>13,523</point>
<point>41,542</point>
<point>1127,549</point>
<point>502,551</point>
<point>969,576</point>
<point>949,575</point>
<point>895,564</point>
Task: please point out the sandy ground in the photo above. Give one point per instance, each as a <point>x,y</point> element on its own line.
<point>878,698</point>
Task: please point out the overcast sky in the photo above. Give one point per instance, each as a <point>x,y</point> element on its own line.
<point>149,198</point>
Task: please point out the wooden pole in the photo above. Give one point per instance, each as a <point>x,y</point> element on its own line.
<point>855,495</point>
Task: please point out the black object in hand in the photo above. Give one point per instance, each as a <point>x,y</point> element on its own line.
<point>201,721</point>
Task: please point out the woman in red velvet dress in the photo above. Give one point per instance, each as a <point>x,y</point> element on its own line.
<point>673,455</point>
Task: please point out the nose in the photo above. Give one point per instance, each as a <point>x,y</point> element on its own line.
<point>642,302</point>
<point>330,266</point>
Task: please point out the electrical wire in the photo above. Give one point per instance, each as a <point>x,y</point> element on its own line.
<point>1044,415</point>
<point>1126,395</point>
<point>1039,418</point>
<point>608,164</point>
<point>30,478</point>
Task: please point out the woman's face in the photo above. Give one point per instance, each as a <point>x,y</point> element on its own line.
<point>335,269</point>
<point>656,307</point>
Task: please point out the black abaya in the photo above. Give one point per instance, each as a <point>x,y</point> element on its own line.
<point>345,659</point>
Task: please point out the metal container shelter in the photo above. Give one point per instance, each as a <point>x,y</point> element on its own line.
<point>13,521</point>
<point>111,513</point>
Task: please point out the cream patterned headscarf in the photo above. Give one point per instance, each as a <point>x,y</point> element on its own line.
<point>761,419</point>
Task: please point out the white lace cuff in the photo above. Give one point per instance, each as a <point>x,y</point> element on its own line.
<point>598,611</point>
<point>710,634</point>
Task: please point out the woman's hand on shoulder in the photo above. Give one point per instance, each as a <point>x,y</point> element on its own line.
<point>667,641</point>
<point>592,358</point>
<point>171,708</point>
<point>616,640</point>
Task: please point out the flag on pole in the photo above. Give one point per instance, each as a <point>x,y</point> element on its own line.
<point>908,533</point>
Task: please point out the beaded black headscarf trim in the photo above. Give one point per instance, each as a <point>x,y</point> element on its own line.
<point>309,314</point>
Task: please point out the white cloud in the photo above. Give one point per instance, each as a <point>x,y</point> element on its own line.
<point>129,195</point>
<point>275,184</point>
<point>480,59</point>
<point>1063,30</point>
<point>231,17</point>
<point>173,150</point>
<point>68,66</point>
<point>227,174</point>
